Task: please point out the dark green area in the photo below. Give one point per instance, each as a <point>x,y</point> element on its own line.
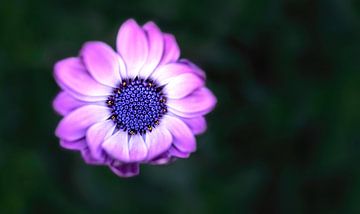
<point>284,138</point>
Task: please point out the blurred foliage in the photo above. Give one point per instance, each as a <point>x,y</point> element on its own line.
<point>284,137</point>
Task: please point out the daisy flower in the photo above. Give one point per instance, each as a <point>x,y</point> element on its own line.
<point>140,104</point>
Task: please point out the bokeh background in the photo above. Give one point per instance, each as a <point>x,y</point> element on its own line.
<point>284,138</point>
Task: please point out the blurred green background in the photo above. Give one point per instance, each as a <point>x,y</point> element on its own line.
<point>284,138</point>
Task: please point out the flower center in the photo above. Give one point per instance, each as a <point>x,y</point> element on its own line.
<point>137,105</point>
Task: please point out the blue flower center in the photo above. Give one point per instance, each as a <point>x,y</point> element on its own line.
<point>137,106</point>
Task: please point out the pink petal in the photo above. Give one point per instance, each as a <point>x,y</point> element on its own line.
<point>85,98</point>
<point>125,169</point>
<point>196,124</point>
<point>137,149</point>
<point>171,50</point>
<point>156,48</point>
<point>64,103</point>
<point>77,145</point>
<point>183,138</point>
<point>72,76</point>
<point>199,103</point>
<point>162,160</point>
<point>90,159</point>
<point>117,146</point>
<point>158,141</point>
<point>122,67</point>
<point>74,125</point>
<point>174,152</point>
<point>163,74</point>
<point>182,85</point>
<point>196,69</point>
<point>102,63</point>
<point>186,114</point>
<point>133,46</point>
<point>97,134</point>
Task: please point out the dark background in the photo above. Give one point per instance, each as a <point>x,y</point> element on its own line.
<point>284,137</point>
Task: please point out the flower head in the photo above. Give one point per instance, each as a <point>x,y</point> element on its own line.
<point>140,104</point>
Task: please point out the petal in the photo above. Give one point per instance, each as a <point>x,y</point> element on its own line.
<point>174,152</point>
<point>102,63</point>
<point>85,98</point>
<point>90,159</point>
<point>200,102</point>
<point>133,47</point>
<point>123,73</point>
<point>137,149</point>
<point>117,146</point>
<point>162,160</point>
<point>97,134</point>
<point>165,73</point>
<point>125,169</point>
<point>171,50</point>
<point>182,85</point>
<point>196,69</point>
<point>158,141</point>
<point>196,124</point>
<point>74,125</point>
<point>64,103</point>
<point>73,145</point>
<point>183,138</point>
<point>72,76</point>
<point>156,48</point>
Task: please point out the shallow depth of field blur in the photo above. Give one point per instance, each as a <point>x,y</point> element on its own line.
<point>284,137</point>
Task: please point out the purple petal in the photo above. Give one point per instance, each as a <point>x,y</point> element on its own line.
<point>199,103</point>
<point>181,114</point>
<point>133,47</point>
<point>97,134</point>
<point>125,169</point>
<point>77,145</point>
<point>74,125</point>
<point>182,85</point>
<point>198,71</point>
<point>158,141</point>
<point>90,159</point>
<point>71,74</point>
<point>174,152</point>
<point>162,160</point>
<point>171,50</point>
<point>156,48</point>
<point>117,146</point>
<point>163,74</point>
<point>196,124</point>
<point>85,98</point>
<point>122,67</point>
<point>137,149</point>
<point>102,63</point>
<point>183,138</point>
<point>64,103</point>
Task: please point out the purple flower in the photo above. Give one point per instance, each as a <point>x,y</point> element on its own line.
<point>140,104</point>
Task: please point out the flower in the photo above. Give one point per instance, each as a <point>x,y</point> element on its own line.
<point>140,104</point>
